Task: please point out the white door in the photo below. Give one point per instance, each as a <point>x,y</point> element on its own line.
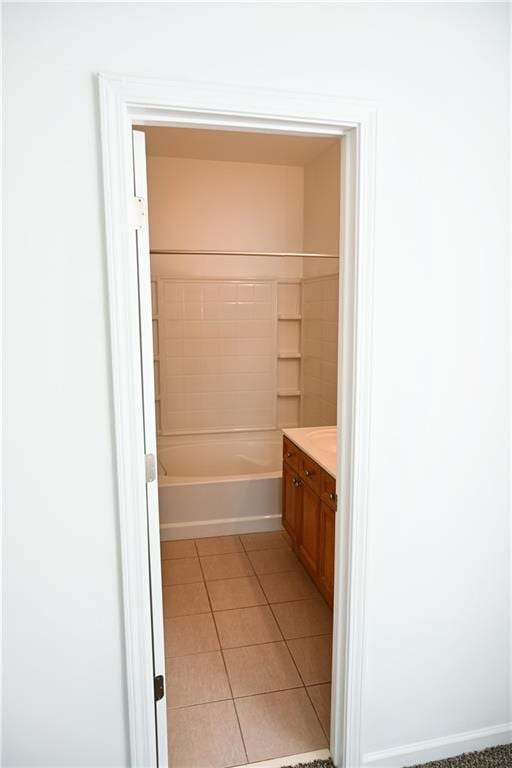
<point>148,394</point>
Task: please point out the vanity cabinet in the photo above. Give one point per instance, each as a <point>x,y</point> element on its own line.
<point>308,534</point>
<point>291,494</point>
<point>309,514</point>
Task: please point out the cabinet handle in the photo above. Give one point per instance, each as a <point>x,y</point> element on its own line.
<point>308,473</point>
<point>296,482</point>
<point>332,496</point>
<point>288,455</point>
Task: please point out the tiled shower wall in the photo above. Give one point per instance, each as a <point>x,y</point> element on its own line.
<point>319,350</point>
<point>216,361</point>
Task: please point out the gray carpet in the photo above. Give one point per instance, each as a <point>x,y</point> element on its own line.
<point>315,764</point>
<point>496,757</point>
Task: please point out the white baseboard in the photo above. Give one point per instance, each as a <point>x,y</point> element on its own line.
<point>438,749</point>
<point>229,526</point>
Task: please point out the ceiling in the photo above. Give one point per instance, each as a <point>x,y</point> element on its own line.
<point>234,146</point>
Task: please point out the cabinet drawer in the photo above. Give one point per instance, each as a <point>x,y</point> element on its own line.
<point>328,492</point>
<point>291,453</point>
<point>310,472</point>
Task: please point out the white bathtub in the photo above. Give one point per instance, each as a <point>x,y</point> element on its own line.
<point>214,485</point>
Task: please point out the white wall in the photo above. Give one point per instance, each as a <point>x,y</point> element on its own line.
<point>438,641</point>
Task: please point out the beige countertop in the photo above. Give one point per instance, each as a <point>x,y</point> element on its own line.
<point>318,442</point>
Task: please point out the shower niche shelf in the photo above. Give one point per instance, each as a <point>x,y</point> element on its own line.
<point>289,317</point>
<point>155,306</point>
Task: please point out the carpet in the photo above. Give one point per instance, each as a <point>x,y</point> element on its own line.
<point>495,757</point>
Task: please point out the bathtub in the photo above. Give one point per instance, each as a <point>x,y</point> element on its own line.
<point>216,485</point>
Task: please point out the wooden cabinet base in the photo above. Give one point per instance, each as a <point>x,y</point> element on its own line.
<point>326,564</point>
<point>309,515</point>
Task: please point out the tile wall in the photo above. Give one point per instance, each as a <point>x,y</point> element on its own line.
<point>216,353</point>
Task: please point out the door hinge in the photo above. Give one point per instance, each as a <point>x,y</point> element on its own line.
<point>159,687</point>
<point>139,211</point>
<point>150,463</point>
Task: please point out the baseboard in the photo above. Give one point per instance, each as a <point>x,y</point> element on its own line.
<point>438,749</point>
<point>229,526</point>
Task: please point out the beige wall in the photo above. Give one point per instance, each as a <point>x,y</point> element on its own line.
<point>322,202</point>
<point>202,204</point>
<point>209,204</point>
<point>319,350</point>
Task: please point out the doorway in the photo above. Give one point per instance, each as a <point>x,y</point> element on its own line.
<point>123,105</point>
<point>244,255</point>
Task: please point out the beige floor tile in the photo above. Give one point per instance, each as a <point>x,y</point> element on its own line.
<point>226,566</point>
<point>219,545</point>
<point>284,587</point>
<point>266,540</point>
<point>205,736</point>
<point>313,657</point>
<point>260,669</point>
<point>185,599</point>
<point>190,634</point>
<point>303,618</point>
<point>274,560</point>
<point>170,550</point>
<point>196,679</point>
<point>235,593</point>
<point>279,724</point>
<point>320,695</point>
<point>246,626</point>
<point>184,571</point>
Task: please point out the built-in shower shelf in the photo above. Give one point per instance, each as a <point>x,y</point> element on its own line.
<point>289,356</point>
<point>289,393</point>
<point>289,317</point>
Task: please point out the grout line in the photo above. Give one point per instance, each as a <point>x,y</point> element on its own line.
<point>224,663</point>
<point>271,611</point>
<point>318,718</point>
<point>199,704</point>
<point>266,693</point>
<point>222,650</point>
<point>245,576</point>
<point>248,645</point>
<point>294,662</point>
<point>293,657</point>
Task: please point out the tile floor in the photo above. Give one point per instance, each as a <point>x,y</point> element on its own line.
<point>248,652</point>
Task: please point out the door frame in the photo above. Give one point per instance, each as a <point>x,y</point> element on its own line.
<point>125,101</point>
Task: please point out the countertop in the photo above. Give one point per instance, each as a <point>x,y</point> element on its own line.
<point>318,442</point>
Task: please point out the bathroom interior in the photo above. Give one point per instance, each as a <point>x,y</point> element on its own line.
<point>245,269</point>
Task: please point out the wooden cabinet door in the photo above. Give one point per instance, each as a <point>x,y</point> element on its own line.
<point>291,502</point>
<point>309,534</point>
<point>326,559</point>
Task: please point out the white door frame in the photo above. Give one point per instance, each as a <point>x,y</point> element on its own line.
<point>128,101</point>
